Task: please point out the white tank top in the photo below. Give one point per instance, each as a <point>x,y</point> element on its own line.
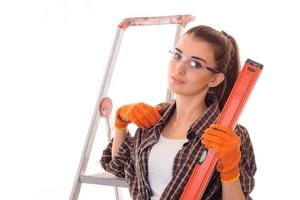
<point>160,164</point>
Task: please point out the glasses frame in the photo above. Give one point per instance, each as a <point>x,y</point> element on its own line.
<point>187,59</point>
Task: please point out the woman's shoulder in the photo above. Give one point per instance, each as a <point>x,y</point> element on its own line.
<point>243,133</point>
<point>240,129</point>
<point>163,106</point>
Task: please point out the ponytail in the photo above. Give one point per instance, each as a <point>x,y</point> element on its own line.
<point>231,70</point>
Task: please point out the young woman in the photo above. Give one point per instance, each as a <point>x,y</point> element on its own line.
<point>159,159</point>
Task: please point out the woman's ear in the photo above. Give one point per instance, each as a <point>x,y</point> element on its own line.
<point>216,80</point>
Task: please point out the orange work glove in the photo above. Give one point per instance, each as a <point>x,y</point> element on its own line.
<point>227,146</point>
<point>143,115</point>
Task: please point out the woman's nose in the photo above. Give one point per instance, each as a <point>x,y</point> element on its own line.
<point>180,67</point>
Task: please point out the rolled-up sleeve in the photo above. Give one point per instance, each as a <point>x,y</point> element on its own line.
<point>247,163</point>
<point>121,160</point>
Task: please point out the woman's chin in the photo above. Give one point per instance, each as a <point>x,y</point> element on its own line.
<point>175,89</point>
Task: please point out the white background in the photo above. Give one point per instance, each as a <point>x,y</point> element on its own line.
<point>52,59</point>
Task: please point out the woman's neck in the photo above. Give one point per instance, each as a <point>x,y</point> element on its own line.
<point>188,109</point>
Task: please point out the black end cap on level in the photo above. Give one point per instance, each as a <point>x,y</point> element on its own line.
<point>256,64</point>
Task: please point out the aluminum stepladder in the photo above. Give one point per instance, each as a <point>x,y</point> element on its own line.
<point>104,105</point>
<point>233,107</point>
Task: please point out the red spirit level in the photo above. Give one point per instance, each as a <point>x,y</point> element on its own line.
<point>228,117</point>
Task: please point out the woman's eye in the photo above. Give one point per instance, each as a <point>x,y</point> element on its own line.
<point>194,64</point>
<point>177,56</point>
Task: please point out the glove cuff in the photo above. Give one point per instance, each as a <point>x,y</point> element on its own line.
<point>120,124</point>
<point>230,176</point>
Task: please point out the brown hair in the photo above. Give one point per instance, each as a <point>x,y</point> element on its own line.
<point>227,58</point>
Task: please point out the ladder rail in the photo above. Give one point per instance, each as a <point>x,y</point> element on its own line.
<point>179,31</point>
<point>109,137</point>
<point>96,115</point>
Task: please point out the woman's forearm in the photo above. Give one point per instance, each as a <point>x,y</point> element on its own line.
<point>119,138</point>
<point>232,191</point>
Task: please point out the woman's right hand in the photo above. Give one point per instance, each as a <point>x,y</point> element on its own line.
<point>141,114</point>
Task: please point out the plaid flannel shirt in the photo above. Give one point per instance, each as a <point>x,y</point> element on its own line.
<point>131,161</point>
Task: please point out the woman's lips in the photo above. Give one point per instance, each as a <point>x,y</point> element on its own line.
<point>176,80</point>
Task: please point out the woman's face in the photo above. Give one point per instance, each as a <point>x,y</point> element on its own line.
<point>183,78</point>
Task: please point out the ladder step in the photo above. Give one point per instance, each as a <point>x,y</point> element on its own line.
<point>103,178</point>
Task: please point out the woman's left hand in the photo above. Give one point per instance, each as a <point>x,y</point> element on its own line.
<point>227,146</point>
